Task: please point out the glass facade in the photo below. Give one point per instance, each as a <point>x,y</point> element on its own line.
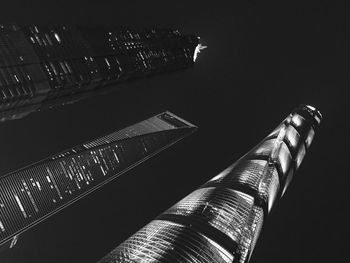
<point>31,194</point>
<point>42,63</point>
<point>169,242</point>
<point>221,221</point>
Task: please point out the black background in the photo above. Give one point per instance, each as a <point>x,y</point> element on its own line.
<point>262,60</point>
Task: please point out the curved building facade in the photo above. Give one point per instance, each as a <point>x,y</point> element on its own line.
<point>221,221</point>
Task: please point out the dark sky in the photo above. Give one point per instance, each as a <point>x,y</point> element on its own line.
<point>263,59</point>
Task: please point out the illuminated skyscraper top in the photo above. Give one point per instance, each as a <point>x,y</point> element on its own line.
<point>220,222</point>
<point>41,63</point>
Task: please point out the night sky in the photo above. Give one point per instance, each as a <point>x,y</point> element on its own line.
<point>263,59</point>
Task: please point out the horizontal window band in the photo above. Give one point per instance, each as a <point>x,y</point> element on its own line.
<point>205,229</point>
<point>244,188</point>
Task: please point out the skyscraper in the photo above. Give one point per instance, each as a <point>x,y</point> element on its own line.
<point>221,221</point>
<point>32,194</point>
<point>23,111</point>
<point>41,63</point>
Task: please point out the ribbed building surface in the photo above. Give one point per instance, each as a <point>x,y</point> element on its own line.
<point>41,63</point>
<point>31,194</point>
<point>221,221</point>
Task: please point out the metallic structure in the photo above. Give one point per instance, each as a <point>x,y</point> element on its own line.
<point>221,221</point>
<point>30,195</point>
<point>43,63</point>
<point>23,111</point>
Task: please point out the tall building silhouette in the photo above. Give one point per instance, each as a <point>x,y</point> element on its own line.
<point>41,63</point>
<point>221,220</point>
<point>32,194</point>
<point>25,110</point>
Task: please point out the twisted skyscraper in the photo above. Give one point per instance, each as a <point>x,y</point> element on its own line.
<point>221,220</point>
<point>42,63</point>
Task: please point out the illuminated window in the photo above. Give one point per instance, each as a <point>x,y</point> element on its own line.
<point>270,186</point>
<point>317,119</point>
<point>280,149</point>
<point>288,180</point>
<point>275,131</point>
<point>297,120</point>
<point>163,241</point>
<point>265,148</point>
<point>311,107</point>
<point>255,177</point>
<point>257,219</point>
<point>197,50</point>
<point>224,209</point>
<point>292,136</point>
<point>57,38</point>
<point>251,235</point>
<point>285,158</point>
<point>46,187</point>
<point>300,156</point>
<point>2,228</point>
<point>310,137</point>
